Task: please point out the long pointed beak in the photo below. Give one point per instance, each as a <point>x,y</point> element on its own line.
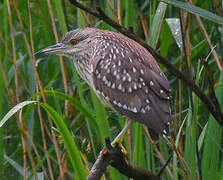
<point>54,49</point>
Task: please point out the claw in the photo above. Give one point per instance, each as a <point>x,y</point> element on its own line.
<point>124,151</point>
<point>118,140</point>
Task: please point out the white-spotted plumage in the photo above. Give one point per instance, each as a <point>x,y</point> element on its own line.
<point>142,71</point>
<point>99,76</point>
<point>125,75</point>
<point>134,69</point>
<point>134,110</point>
<point>129,79</point>
<point>114,56</point>
<point>135,86</point>
<point>119,104</point>
<point>125,107</point>
<point>119,63</point>
<point>120,87</point>
<point>109,83</point>
<point>104,78</point>
<point>122,54</point>
<point>143,110</point>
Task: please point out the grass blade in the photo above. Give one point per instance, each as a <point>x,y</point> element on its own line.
<point>75,157</point>
<point>157,23</point>
<point>71,100</point>
<point>212,144</point>
<point>101,118</point>
<point>196,10</point>
<point>14,110</point>
<point>15,165</point>
<point>174,24</point>
<point>71,147</point>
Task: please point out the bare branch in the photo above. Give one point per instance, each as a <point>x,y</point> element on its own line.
<point>113,156</point>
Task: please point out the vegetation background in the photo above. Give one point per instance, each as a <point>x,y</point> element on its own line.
<point>60,135</point>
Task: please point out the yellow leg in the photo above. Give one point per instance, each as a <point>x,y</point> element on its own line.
<point>120,136</point>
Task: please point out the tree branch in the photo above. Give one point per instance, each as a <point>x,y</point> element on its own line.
<point>113,156</point>
<point>213,107</point>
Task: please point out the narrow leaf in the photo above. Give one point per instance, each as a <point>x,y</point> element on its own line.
<point>174,24</point>
<point>74,155</point>
<point>157,23</point>
<point>14,110</point>
<point>196,10</point>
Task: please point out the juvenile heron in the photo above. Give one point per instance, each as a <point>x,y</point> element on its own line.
<point>122,73</point>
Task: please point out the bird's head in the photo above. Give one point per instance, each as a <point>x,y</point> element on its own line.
<point>72,43</point>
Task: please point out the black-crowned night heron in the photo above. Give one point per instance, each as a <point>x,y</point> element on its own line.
<point>122,73</point>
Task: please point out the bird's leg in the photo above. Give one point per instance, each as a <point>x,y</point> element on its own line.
<point>119,138</point>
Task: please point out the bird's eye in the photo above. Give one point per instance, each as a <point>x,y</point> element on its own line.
<point>73,42</point>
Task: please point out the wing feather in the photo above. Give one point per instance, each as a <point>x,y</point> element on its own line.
<point>133,84</point>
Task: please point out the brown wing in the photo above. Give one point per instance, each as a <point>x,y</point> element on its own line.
<point>133,85</point>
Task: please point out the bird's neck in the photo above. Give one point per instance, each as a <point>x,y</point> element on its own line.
<point>83,67</point>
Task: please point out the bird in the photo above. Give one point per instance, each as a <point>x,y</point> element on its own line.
<point>122,73</point>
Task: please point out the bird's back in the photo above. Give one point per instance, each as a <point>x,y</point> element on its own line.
<point>128,78</point>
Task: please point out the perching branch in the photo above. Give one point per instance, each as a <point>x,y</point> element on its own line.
<point>113,156</point>
<point>212,106</point>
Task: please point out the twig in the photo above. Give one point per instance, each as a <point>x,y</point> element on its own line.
<point>165,165</point>
<point>144,25</point>
<point>113,156</point>
<point>201,25</point>
<point>179,157</point>
<point>212,107</point>
<point>17,94</point>
<point>211,81</point>
<point>14,52</point>
<point>62,64</point>
<point>158,153</point>
<point>119,12</point>
<point>39,85</point>
<point>65,87</point>
<point>6,82</point>
<point>22,27</point>
<point>29,137</point>
<point>6,46</point>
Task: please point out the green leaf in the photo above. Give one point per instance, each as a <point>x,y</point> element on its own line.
<point>139,149</point>
<point>101,118</point>
<point>61,16</point>
<point>201,137</point>
<point>74,155</point>
<point>212,149</point>
<point>19,169</point>
<point>174,24</point>
<point>157,23</point>
<point>71,100</point>
<point>196,10</point>
<point>14,110</point>
<point>71,147</point>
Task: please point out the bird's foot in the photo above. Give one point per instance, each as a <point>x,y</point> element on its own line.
<point>119,143</point>
<point>118,140</point>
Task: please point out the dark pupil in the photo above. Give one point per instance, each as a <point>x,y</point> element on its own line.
<point>73,42</point>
